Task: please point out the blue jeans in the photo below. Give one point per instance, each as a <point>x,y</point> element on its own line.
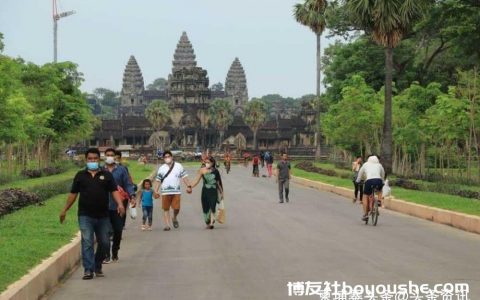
<point>147,214</point>
<point>90,227</point>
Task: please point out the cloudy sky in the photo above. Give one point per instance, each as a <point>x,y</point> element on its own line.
<point>277,53</point>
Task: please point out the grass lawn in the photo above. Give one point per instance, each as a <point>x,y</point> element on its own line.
<point>444,201</point>
<point>138,171</point>
<point>33,233</point>
<point>24,183</point>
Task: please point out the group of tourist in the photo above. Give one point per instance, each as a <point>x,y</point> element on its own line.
<point>101,209</point>
<point>105,193</point>
<point>282,174</point>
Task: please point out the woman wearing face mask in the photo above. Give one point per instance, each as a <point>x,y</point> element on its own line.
<point>212,186</point>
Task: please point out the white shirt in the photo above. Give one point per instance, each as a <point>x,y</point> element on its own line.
<point>372,169</point>
<point>171,184</point>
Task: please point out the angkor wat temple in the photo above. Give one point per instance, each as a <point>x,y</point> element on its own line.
<point>189,96</point>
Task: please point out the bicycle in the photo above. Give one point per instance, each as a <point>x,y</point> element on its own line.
<point>373,204</point>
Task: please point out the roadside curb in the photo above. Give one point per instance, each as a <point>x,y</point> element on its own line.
<point>455,219</point>
<point>47,274</point>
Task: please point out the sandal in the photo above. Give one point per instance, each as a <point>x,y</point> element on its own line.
<point>166,229</point>
<point>175,223</point>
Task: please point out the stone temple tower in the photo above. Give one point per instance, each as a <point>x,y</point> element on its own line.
<point>187,83</point>
<point>189,96</point>
<point>133,86</point>
<point>184,56</point>
<point>236,87</point>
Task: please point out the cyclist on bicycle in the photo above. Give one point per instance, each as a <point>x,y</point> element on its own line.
<point>374,175</point>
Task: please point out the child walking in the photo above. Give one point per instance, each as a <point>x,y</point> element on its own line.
<point>146,197</point>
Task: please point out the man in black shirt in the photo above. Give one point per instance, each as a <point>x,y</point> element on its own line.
<point>94,186</point>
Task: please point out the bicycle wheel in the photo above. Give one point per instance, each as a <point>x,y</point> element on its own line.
<point>375,212</point>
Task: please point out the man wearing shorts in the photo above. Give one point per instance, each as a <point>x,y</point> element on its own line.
<point>374,175</point>
<point>168,180</point>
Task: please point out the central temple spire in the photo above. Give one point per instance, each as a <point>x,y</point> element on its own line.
<point>184,56</point>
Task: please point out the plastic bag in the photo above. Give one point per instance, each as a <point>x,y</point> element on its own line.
<point>387,190</point>
<point>221,212</point>
<point>132,211</point>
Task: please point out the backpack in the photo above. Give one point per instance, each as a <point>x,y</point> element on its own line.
<point>267,156</point>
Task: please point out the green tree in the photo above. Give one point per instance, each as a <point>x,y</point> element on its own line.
<point>469,89</point>
<point>158,114</point>
<point>56,88</point>
<point>159,84</point>
<point>312,14</point>
<point>217,87</point>
<point>275,103</point>
<point>107,97</point>
<point>387,21</point>
<point>255,116</point>
<point>410,135</point>
<point>1,43</point>
<point>221,116</point>
<point>354,123</point>
<point>447,124</point>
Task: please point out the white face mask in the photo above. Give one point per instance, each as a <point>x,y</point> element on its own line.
<point>109,160</point>
<point>168,160</point>
<point>208,165</point>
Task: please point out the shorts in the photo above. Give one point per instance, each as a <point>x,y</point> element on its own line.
<point>376,183</point>
<point>172,201</point>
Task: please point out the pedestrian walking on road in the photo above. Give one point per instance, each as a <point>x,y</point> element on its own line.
<point>125,187</point>
<point>146,198</point>
<point>269,162</point>
<point>168,180</point>
<point>118,161</point>
<point>356,165</point>
<point>212,187</point>
<point>283,177</point>
<point>94,186</point>
<point>255,163</point>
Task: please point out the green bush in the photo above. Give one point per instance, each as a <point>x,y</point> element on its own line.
<point>15,199</point>
<point>47,191</point>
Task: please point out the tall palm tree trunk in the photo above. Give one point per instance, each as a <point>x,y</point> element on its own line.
<point>255,145</point>
<point>222,134</point>
<point>387,142</point>
<point>319,81</point>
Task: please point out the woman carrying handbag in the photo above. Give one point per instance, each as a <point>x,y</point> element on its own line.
<point>212,188</point>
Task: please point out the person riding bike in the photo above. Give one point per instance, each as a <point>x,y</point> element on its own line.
<point>374,175</point>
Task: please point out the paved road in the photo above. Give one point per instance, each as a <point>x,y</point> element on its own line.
<point>316,237</point>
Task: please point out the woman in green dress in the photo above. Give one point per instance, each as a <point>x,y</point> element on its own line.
<point>212,187</point>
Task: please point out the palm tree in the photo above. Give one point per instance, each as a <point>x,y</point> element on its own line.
<point>158,114</point>
<point>312,14</point>
<point>221,116</point>
<point>255,115</point>
<point>387,21</point>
